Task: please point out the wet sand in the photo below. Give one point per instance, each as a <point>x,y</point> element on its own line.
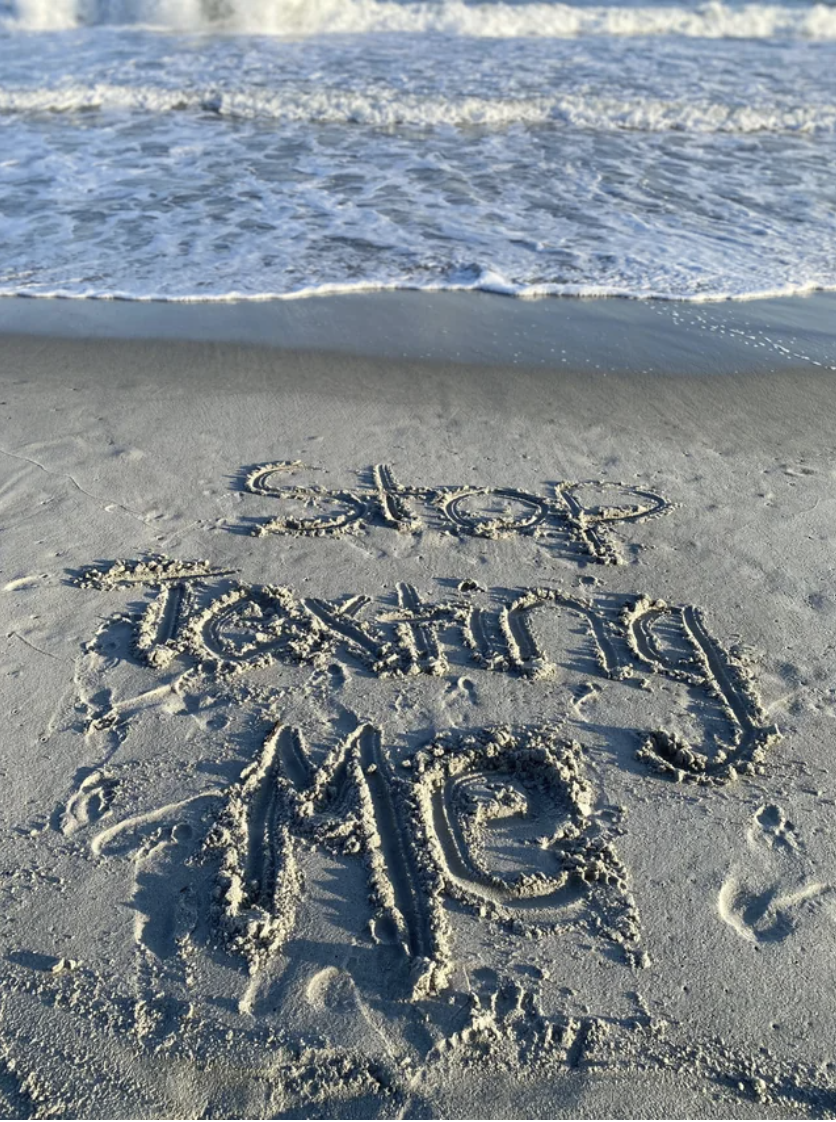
<point>417,707</point>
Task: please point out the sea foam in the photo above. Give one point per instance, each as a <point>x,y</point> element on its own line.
<point>450,17</point>
<point>524,148</point>
<point>385,108</point>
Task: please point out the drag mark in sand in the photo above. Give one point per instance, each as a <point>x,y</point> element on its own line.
<point>338,619</point>
<point>105,837</point>
<point>392,498</point>
<point>107,505</point>
<point>416,632</point>
<point>154,571</point>
<point>161,622</point>
<point>523,650</point>
<point>485,642</point>
<point>259,884</point>
<point>398,871</point>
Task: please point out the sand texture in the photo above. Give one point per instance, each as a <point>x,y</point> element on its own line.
<point>406,739</point>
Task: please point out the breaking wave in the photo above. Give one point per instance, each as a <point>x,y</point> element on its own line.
<point>388,108</point>
<point>713,20</point>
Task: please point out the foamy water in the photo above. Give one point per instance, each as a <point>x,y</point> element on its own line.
<point>452,17</point>
<point>205,149</point>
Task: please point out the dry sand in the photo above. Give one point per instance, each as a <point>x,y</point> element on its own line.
<point>387,736</point>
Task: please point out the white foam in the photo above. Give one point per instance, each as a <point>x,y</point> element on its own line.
<point>384,108</point>
<point>490,282</point>
<point>45,15</point>
<point>381,108</point>
<point>189,208</point>
<point>714,20</point>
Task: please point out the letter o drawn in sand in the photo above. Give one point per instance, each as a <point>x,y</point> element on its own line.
<point>487,512</point>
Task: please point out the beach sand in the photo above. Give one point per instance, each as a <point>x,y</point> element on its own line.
<point>417,706</point>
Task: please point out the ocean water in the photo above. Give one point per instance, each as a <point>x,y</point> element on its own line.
<point>212,149</point>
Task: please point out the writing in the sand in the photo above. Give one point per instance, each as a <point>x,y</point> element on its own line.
<point>228,628</point>
<point>502,819</point>
<point>499,819</point>
<point>581,519</point>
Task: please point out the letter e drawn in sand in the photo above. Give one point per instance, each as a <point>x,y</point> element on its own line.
<point>508,819</point>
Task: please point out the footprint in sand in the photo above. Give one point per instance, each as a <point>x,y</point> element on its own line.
<point>89,803</point>
<point>765,898</point>
<point>462,689</point>
<point>333,990</point>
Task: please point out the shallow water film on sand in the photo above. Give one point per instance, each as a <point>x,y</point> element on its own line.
<point>188,149</point>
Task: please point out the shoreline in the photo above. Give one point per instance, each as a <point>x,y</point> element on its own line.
<point>473,328</point>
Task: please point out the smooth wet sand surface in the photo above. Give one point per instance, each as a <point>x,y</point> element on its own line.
<point>402,738</point>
